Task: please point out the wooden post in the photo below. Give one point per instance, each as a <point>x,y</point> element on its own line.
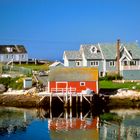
<point>50,113</point>
<point>81,100</point>
<point>76,99</point>
<point>50,100</point>
<point>66,100</point>
<point>76,105</point>
<point>70,100</point>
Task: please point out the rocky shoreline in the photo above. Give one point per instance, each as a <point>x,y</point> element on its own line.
<point>123,99</point>
<point>25,101</point>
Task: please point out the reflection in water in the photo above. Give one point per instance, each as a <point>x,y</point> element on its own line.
<point>13,119</point>
<point>125,125</point>
<point>68,124</point>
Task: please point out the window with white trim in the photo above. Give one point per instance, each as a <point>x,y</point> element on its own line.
<point>112,63</point>
<point>133,63</point>
<point>93,49</point>
<point>82,83</point>
<point>94,63</point>
<point>78,63</point>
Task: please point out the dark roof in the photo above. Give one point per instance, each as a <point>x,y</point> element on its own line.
<point>74,74</point>
<point>12,49</point>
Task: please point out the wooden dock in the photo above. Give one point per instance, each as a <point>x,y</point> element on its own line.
<point>67,98</point>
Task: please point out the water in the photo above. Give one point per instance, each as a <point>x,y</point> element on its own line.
<point>40,124</point>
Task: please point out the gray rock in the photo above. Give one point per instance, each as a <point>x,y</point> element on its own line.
<point>2,88</point>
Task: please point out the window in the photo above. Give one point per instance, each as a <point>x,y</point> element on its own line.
<point>82,83</point>
<point>93,49</point>
<point>125,63</point>
<point>94,63</point>
<point>132,62</point>
<point>101,74</point>
<point>111,63</point>
<point>78,63</point>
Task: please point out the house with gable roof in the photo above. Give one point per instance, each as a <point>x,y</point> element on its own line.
<point>123,58</point>
<point>13,53</point>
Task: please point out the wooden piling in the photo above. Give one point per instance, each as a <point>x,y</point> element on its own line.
<point>50,100</point>
<point>81,100</point>
<point>66,100</point>
<point>70,100</point>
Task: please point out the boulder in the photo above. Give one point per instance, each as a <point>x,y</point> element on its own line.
<point>2,88</point>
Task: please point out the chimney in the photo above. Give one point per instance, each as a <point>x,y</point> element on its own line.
<point>118,56</point>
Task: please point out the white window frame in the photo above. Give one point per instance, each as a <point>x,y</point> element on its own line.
<point>112,63</point>
<point>95,49</point>
<point>134,63</point>
<point>95,63</point>
<point>76,63</point>
<point>82,83</point>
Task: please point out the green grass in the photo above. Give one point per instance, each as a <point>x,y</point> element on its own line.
<point>111,85</point>
<point>34,67</point>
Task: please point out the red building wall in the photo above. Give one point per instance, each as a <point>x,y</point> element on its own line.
<point>92,85</point>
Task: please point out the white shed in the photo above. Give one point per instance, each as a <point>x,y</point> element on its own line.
<point>27,83</point>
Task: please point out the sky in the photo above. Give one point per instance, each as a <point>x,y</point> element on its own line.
<point>49,27</point>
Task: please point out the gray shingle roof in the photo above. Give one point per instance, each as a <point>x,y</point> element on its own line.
<point>89,54</point>
<point>12,49</point>
<point>108,50</point>
<point>73,55</point>
<point>134,50</point>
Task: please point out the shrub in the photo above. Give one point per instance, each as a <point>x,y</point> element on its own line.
<point>12,83</point>
<point>111,77</point>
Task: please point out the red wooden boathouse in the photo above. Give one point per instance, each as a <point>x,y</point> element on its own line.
<point>73,80</point>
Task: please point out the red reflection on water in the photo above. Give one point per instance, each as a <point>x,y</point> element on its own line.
<point>74,123</point>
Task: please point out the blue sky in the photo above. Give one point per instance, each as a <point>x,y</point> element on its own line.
<point>48,27</point>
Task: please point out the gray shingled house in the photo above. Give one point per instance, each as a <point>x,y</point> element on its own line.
<point>108,57</point>
<point>15,53</point>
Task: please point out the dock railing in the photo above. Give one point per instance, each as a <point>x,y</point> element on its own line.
<point>63,90</point>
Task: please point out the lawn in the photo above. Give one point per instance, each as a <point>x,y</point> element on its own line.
<point>37,67</point>
<point>111,85</point>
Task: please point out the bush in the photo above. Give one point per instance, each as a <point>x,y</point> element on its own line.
<point>111,77</point>
<point>11,83</point>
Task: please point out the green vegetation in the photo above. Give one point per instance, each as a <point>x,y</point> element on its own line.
<point>5,113</point>
<point>36,67</point>
<point>111,77</point>
<point>112,85</point>
<point>14,83</point>
<point>110,117</point>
